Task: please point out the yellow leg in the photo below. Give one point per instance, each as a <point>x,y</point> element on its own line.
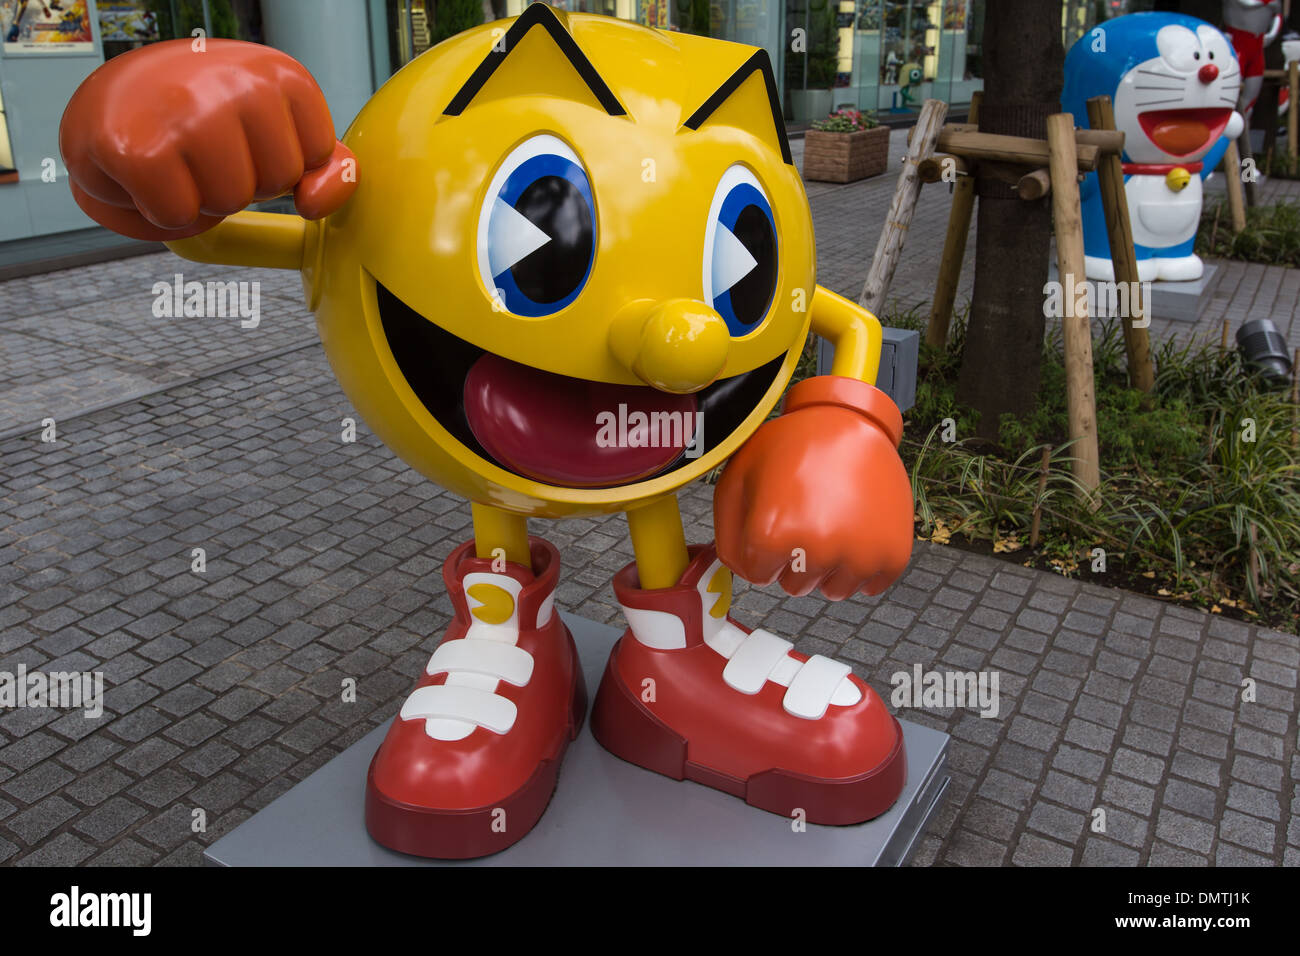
<point>658,542</point>
<point>494,528</point>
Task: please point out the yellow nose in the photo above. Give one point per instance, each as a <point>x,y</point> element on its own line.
<point>678,345</point>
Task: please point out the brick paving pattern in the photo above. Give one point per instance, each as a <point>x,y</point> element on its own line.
<point>223,689</point>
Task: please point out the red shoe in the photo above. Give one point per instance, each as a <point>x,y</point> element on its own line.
<point>471,762</point>
<point>691,694</point>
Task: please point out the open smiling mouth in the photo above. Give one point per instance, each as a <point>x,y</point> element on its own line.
<point>547,427</point>
<point>1183,132</point>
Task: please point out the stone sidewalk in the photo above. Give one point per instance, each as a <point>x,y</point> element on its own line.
<point>324,558</point>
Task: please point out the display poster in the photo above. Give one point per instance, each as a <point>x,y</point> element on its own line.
<point>45,26</point>
<point>126,20</point>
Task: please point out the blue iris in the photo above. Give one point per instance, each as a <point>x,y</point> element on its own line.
<point>541,235</point>
<point>743,259</point>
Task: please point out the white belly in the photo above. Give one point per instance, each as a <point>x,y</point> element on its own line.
<point>1160,216</point>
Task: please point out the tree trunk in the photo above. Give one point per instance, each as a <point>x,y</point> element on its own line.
<point>1002,364</point>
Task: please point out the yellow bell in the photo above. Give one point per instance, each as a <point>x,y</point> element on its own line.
<point>1177,179</point>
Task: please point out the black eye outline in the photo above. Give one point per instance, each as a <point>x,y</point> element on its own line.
<point>537,171</point>
<point>740,204</point>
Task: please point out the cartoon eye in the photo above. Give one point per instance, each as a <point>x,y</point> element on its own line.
<point>1178,47</point>
<point>740,251</point>
<point>1215,45</point>
<point>537,228</point>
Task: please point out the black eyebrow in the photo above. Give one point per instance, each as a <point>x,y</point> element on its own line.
<point>761,63</point>
<point>533,15</point>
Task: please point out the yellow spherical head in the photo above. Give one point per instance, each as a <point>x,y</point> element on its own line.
<point>563,223</point>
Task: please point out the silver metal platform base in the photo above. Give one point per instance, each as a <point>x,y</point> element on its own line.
<point>605,812</point>
<point>1175,301</point>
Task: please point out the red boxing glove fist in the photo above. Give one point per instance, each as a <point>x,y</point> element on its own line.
<point>819,497</point>
<point>164,142</point>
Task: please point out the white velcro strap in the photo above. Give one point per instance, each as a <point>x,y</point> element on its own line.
<point>726,639</point>
<point>470,704</point>
<point>657,629</point>
<point>812,688</point>
<point>505,662</point>
<point>754,660</point>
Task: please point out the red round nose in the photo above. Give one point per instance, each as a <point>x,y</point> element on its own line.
<point>1208,73</point>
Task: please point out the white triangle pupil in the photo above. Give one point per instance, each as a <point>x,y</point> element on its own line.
<point>511,237</point>
<point>731,260</point>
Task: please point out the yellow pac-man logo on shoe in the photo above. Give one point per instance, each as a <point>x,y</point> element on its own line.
<point>720,584</point>
<point>496,604</point>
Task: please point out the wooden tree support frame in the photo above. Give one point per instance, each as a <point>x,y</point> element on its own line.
<point>1067,218</point>
<point>1232,179</point>
<point>889,248</point>
<point>1038,169</point>
<point>1291,77</point>
<point>1119,231</point>
<point>954,245</point>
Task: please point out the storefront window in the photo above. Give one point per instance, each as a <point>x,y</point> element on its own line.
<point>127,24</point>
<point>889,54</point>
<point>813,59</point>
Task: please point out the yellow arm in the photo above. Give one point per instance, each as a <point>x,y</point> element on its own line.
<point>266,239</point>
<point>852,330</point>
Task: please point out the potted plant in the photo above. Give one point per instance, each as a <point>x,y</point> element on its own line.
<point>846,146</point>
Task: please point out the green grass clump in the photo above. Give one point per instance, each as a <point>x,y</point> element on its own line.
<point>1187,502</point>
<point>1271,236</point>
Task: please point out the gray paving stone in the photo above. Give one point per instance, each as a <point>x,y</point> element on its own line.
<point>1190,798</point>
<point>125,852</point>
<point>1130,829</point>
<point>1248,832</point>
<point>1184,831</point>
<point>1165,855</point>
<point>1089,736</point>
<point>968,849</point>
<point>1007,790</point>
<point>1139,766</point>
<point>109,820</point>
<point>1101,852</point>
<point>1070,791</point>
<point>38,822</point>
<point>1254,800</point>
<point>1064,825</point>
<point>1262,773</point>
<point>1036,851</point>
<point>64,850</point>
<point>1229,855</point>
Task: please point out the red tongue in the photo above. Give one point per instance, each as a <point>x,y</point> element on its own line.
<point>1183,132</point>
<point>549,427</point>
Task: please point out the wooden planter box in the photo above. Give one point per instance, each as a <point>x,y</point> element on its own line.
<point>845,157</point>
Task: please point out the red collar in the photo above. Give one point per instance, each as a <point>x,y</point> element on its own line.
<point>1158,169</point>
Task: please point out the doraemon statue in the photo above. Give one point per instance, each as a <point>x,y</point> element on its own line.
<point>1174,82</point>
